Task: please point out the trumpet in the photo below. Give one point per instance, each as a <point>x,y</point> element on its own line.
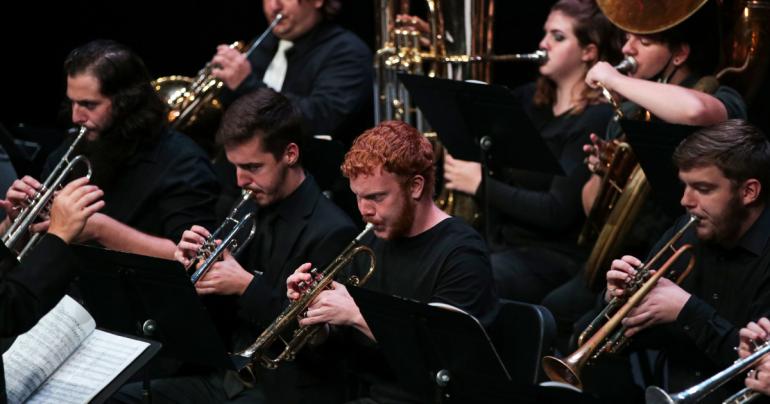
<point>258,351</point>
<point>655,395</point>
<point>39,204</point>
<point>210,252</point>
<point>610,338</point>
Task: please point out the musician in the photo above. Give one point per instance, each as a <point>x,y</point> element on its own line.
<point>34,286</point>
<point>324,69</point>
<point>157,182</point>
<point>262,136</point>
<point>725,172</point>
<point>540,215</point>
<point>421,252</point>
<point>752,335</point>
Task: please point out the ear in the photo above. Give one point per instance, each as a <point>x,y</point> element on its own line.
<point>680,54</point>
<point>590,53</point>
<point>291,154</point>
<point>416,186</point>
<point>750,191</point>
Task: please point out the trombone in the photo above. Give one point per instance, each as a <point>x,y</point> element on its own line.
<point>610,338</point>
<point>40,202</point>
<point>258,351</point>
<point>209,252</point>
<point>655,395</point>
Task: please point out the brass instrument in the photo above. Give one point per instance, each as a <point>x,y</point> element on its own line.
<point>258,351</point>
<point>39,204</point>
<point>232,226</point>
<point>656,395</point>
<point>610,337</point>
<point>193,100</point>
<point>460,49</point>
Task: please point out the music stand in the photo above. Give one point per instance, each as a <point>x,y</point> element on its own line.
<point>653,143</point>
<point>482,123</point>
<point>151,298</point>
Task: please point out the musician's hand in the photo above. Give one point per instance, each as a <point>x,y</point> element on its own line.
<point>759,378</point>
<point>661,305</point>
<point>333,306</point>
<point>417,24</point>
<point>300,275</point>
<point>593,153</point>
<point>188,246</point>
<point>603,72</point>
<point>754,334</point>
<point>460,175</point>
<point>230,66</point>
<point>225,277</point>
<point>72,207</point>
<point>620,274</point>
<point>17,195</point>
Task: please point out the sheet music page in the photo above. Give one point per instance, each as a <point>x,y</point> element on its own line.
<point>36,354</point>
<point>99,360</point>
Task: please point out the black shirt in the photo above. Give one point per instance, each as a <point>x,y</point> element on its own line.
<point>448,263</point>
<point>546,210</point>
<point>729,287</point>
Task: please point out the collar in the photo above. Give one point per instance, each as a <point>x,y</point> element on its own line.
<point>299,204</point>
<point>317,34</point>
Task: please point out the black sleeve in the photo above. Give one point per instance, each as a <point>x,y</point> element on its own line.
<point>33,287</point>
<point>733,102</point>
<point>189,196</point>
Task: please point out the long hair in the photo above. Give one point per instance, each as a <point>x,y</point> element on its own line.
<point>590,27</point>
<point>138,113</point>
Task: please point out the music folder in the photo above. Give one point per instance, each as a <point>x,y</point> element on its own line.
<point>653,143</point>
<point>464,113</point>
<point>151,298</point>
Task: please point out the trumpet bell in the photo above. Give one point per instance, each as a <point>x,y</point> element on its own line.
<point>562,371</point>
<point>656,395</point>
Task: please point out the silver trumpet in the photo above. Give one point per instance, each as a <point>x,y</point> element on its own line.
<point>231,228</point>
<point>39,204</point>
<point>656,395</point>
<point>627,65</point>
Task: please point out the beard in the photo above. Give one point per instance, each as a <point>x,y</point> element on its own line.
<point>405,217</point>
<point>728,224</point>
<point>107,155</point>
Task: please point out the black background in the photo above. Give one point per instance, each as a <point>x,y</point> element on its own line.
<point>179,37</point>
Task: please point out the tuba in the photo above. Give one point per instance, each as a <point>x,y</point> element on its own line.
<point>235,237</point>
<point>39,205</point>
<point>610,333</point>
<point>193,101</point>
<point>460,49</point>
<point>258,352</point>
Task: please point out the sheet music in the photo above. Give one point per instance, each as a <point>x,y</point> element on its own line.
<point>99,360</point>
<point>35,355</point>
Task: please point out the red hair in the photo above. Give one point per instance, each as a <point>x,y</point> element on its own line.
<point>396,146</point>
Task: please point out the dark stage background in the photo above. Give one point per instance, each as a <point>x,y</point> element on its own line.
<point>179,37</point>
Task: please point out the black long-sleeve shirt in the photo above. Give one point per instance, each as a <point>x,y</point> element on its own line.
<point>540,209</point>
<point>729,288</point>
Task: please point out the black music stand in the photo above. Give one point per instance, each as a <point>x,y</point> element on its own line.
<point>442,355</point>
<point>151,298</point>
<point>653,144</point>
<point>482,123</point>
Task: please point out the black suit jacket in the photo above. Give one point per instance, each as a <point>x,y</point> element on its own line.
<point>329,77</point>
<point>30,289</point>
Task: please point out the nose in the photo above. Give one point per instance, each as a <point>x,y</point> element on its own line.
<point>241,177</point>
<point>366,208</point>
<point>629,48</point>
<point>544,43</point>
<point>688,201</point>
<point>79,116</point>
<point>274,6</point>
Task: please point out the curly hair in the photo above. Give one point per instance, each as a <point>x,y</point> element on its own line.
<point>591,27</point>
<point>734,146</point>
<point>397,147</point>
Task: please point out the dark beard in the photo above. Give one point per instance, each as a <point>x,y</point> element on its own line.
<point>730,222</point>
<point>108,154</point>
